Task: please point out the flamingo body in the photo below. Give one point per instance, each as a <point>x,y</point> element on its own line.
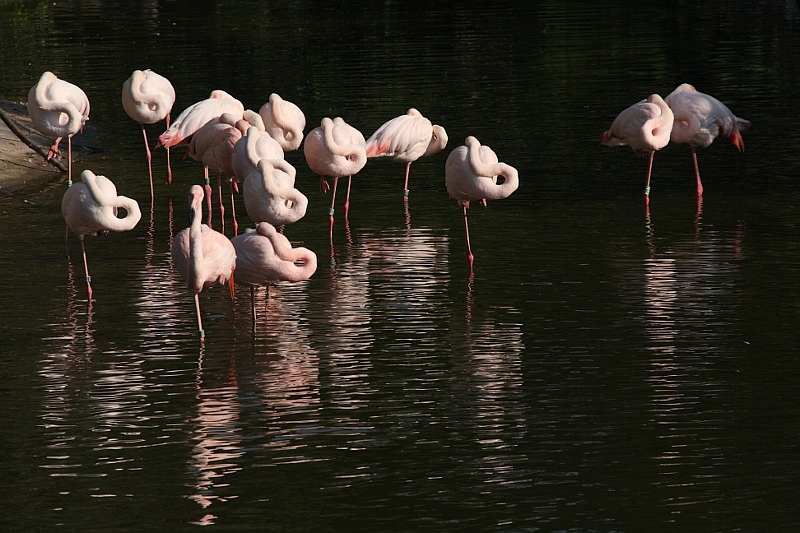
<point>197,115</point>
<point>283,121</point>
<point>254,146</point>
<point>265,256</point>
<point>270,196</point>
<point>147,97</point>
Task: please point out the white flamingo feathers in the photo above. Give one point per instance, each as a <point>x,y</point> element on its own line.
<point>335,149</point>
<point>148,98</point>
<point>284,122</point>
<point>270,196</point>
<point>471,173</point>
<point>407,138</point>
<point>264,256</point>
<point>58,109</point>
<point>645,127</point>
<point>203,256</point>
<point>90,207</point>
<point>699,119</point>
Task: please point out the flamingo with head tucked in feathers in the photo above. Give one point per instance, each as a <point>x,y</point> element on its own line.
<point>270,196</point>
<point>284,122</point>
<point>58,109</point>
<point>148,97</point>
<point>645,127</point>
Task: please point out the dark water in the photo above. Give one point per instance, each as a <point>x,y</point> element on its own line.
<point>605,369</point>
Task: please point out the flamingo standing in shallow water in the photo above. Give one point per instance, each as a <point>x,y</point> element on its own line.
<point>264,256</point>
<point>699,119</point>
<point>58,109</point>
<point>270,196</point>
<point>645,126</point>
<point>335,149</point>
<point>284,122</point>
<point>148,98</point>
<point>203,256</point>
<point>471,174</point>
<point>407,138</point>
<point>90,207</point>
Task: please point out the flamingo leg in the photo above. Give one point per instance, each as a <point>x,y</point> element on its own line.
<point>323,185</point>
<point>405,187</point>
<point>470,257</point>
<point>347,200</point>
<point>207,189</point>
<point>86,268</point>
<point>169,168</point>
<point>647,183</point>
<point>53,151</point>
<point>333,198</point>
<point>233,210</point>
<point>697,173</point>
<point>149,162</point>
<point>69,160</point>
<point>219,202</point>
<point>199,319</point>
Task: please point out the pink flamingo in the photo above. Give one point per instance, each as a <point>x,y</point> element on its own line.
<point>252,148</point>
<point>645,127</point>
<point>335,149</point>
<point>264,256</point>
<point>270,196</point>
<point>195,116</point>
<point>58,109</point>
<point>407,138</point>
<point>90,207</point>
<point>471,174</point>
<point>284,122</point>
<point>203,256</point>
<point>148,98</point>
<point>699,119</point>
<point>213,145</point>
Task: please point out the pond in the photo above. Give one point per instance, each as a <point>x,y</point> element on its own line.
<point>606,366</point>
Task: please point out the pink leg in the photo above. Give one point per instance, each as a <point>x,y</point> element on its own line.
<point>219,202</point>
<point>333,198</point>
<point>53,149</point>
<point>347,201</point>
<point>199,320</point>
<point>169,168</point>
<point>697,173</point>
<point>470,257</point>
<point>323,185</point>
<point>69,160</point>
<point>207,189</point>
<point>405,187</point>
<point>149,162</point>
<point>86,267</point>
<point>647,183</point>
<point>233,210</point>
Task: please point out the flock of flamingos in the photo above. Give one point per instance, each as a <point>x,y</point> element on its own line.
<point>248,147</point>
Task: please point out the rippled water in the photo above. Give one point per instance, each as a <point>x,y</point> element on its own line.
<point>606,368</point>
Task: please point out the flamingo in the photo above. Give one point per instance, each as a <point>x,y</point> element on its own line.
<point>195,116</point>
<point>252,148</point>
<point>284,122</point>
<point>335,149</point>
<point>407,138</point>
<point>645,126</point>
<point>471,174</point>
<point>264,256</point>
<point>270,196</point>
<point>699,119</point>
<point>58,109</point>
<point>213,145</point>
<point>90,207</point>
<point>148,98</point>
<point>203,256</point>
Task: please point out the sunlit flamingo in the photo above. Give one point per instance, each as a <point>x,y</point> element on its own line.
<point>699,119</point>
<point>252,148</point>
<point>213,145</point>
<point>645,127</point>
<point>335,149</point>
<point>58,109</point>
<point>148,98</point>
<point>90,207</point>
<point>270,196</point>
<point>471,174</point>
<point>203,256</point>
<point>284,122</point>
<point>195,116</point>
<point>264,256</point>
<point>407,138</point>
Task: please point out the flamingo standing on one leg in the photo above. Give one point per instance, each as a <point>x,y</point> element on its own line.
<point>699,119</point>
<point>471,174</point>
<point>284,122</point>
<point>407,138</point>
<point>203,256</point>
<point>335,149</point>
<point>90,207</point>
<point>58,109</point>
<point>148,98</point>
<point>270,196</point>
<point>264,256</point>
<point>645,126</point>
